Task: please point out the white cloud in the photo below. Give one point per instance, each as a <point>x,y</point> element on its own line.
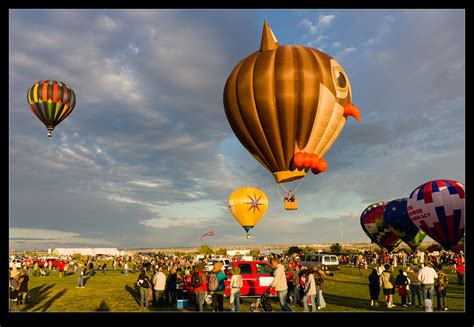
<point>37,236</point>
<point>326,20</point>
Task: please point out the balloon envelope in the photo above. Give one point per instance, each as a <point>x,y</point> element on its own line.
<point>437,207</point>
<point>248,205</point>
<point>374,226</point>
<point>284,100</point>
<point>51,101</point>
<point>395,215</point>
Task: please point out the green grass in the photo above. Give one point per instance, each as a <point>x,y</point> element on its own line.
<point>346,291</point>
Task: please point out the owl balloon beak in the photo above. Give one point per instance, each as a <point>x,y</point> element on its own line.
<point>351,110</point>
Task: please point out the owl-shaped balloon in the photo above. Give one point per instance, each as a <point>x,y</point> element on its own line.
<point>287,105</point>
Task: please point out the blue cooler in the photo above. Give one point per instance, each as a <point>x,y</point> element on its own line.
<point>182,303</point>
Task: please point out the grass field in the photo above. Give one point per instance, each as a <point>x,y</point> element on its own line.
<point>346,291</point>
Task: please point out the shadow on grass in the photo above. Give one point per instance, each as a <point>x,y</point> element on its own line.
<point>134,292</point>
<point>354,302</point>
<point>37,295</point>
<point>46,306</point>
<point>103,306</point>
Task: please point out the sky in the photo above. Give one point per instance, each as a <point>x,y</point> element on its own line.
<point>147,158</point>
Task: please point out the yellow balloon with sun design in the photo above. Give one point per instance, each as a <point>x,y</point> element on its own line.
<point>248,205</point>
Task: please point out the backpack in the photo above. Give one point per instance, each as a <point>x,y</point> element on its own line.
<point>213,282</point>
<point>195,280</point>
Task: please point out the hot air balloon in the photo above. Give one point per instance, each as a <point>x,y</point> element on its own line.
<point>377,230</point>
<point>248,205</point>
<point>396,217</point>
<point>437,207</point>
<point>51,101</point>
<point>287,105</point>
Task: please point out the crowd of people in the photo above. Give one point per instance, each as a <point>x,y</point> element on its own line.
<point>161,277</point>
<point>423,278</point>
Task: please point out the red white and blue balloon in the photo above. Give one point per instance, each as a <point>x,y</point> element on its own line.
<point>437,207</point>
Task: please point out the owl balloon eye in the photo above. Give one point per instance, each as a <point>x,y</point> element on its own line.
<point>340,80</point>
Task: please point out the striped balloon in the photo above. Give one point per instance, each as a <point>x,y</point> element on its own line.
<point>51,101</point>
<point>396,217</point>
<point>437,207</point>
<point>377,230</point>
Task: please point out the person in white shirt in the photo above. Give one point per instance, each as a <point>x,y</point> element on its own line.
<point>159,284</point>
<point>427,276</point>
<point>235,284</point>
<point>279,284</point>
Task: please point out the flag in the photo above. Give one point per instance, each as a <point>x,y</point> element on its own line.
<point>210,233</point>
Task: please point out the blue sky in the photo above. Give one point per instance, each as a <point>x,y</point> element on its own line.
<point>147,157</point>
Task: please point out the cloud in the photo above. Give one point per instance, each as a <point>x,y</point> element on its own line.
<point>149,133</point>
<point>37,237</point>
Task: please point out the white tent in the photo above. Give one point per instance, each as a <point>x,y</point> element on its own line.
<point>87,251</point>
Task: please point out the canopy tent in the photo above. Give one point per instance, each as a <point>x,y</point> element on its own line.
<point>87,251</point>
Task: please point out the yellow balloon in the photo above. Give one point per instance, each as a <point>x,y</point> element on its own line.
<point>248,205</point>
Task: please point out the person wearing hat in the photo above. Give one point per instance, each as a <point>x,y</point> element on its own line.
<point>218,294</point>
<point>235,284</point>
<point>14,288</point>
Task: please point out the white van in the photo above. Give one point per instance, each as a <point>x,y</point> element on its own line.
<point>327,262</point>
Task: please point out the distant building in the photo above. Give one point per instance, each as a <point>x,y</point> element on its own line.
<point>237,252</point>
<point>88,251</point>
<point>271,251</point>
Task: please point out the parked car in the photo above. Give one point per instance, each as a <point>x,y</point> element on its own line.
<point>256,277</point>
<point>225,264</point>
<point>327,262</point>
<point>16,262</point>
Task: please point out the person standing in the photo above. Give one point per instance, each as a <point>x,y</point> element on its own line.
<point>200,290</point>
<point>144,284</point>
<point>125,268</point>
<point>23,290</point>
<point>386,282</point>
<point>14,288</point>
<point>296,285</point>
<point>319,276</point>
<point>235,284</point>
<point>159,285</point>
<point>36,269</point>
<point>80,272</point>
<point>279,284</point>
<point>460,269</point>
<point>440,285</point>
<point>310,290</point>
<point>217,294</point>
<point>374,287</point>
<point>401,283</point>
<point>427,276</point>
<point>415,284</point>
<point>171,283</point>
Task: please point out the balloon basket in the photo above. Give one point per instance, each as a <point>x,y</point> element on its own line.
<point>291,205</point>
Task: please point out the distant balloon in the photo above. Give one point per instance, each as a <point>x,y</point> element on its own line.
<point>248,205</point>
<point>437,207</point>
<point>51,101</point>
<point>377,230</point>
<point>396,217</point>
